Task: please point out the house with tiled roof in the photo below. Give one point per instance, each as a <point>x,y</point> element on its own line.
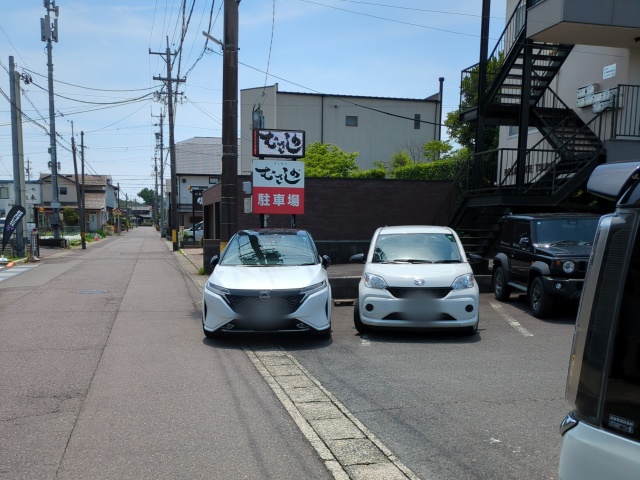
<point>100,198</point>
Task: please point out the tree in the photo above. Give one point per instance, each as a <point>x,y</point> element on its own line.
<point>464,133</point>
<point>147,195</point>
<point>328,160</point>
<point>70,216</point>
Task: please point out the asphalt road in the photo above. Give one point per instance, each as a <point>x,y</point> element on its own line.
<point>104,373</point>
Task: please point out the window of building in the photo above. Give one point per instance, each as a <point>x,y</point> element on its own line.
<point>63,190</point>
<point>213,180</point>
<point>4,192</point>
<point>416,121</point>
<point>351,121</point>
<point>513,130</point>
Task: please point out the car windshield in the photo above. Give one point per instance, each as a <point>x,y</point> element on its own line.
<point>278,249</point>
<point>566,230</point>
<point>416,248</point>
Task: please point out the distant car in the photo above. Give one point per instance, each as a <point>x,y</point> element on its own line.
<point>268,280</point>
<point>2,220</point>
<point>196,232</point>
<point>544,256</point>
<point>416,277</point>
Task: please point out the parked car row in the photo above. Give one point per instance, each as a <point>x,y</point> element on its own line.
<point>420,277</point>
<point>275,280</point>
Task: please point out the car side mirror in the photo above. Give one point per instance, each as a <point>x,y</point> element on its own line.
<point>214,261</point>
<point>326,261</point>
<point>357,258</point>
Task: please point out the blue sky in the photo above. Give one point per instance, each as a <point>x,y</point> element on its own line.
<point>104,73</point>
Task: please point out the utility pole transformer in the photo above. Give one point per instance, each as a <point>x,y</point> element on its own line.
<point>19,197</point>
<point>173,218</point>
<point>48,34</point>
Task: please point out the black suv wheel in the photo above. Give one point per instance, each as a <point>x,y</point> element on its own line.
<point>501,290</point>
<point>540,301</point>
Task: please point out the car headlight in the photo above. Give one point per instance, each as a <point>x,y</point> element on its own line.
<point>217,289</point>
<point>313,288</point>
<point>463,281</point>
<point>374,281</point>
<point>568,266</point>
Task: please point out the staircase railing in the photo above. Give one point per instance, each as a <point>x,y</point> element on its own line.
<point>627,112</point>
<point>509,36</point>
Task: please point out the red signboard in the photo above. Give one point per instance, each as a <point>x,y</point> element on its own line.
<point>278,187</point>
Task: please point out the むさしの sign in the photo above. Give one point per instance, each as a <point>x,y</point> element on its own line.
<point>278,187</point>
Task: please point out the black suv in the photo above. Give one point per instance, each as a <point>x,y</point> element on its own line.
<point>545,256</point>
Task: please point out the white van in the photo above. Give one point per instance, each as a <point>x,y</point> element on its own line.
<point>601,436</point>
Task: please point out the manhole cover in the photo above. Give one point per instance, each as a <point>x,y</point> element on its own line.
<point>92,292</point>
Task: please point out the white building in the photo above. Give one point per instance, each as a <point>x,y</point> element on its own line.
<point>375,127</point>
<point>198,167</point>
<point>33,195</point>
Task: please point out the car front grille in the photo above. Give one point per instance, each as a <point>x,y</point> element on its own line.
<point>406,316</point>
<point>264,303</point>
<point>419,293</point>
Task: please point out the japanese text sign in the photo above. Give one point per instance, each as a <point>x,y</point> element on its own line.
<point>278,187</point>
<point>278,143</point>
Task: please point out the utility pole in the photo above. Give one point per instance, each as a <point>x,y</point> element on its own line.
<point>160,139</point>
<point>229,177</point>
<point>173,219</point>
<point>83,220</point>
<point>18,152</point>
<point>118,232</point>
<point>155,192</point>
<point>49,34</point>
<point>28,170</point>
<point>75,172</point>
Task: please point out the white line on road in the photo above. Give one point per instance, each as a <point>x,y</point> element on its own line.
<point>512,321</point>
<point>364,341</point>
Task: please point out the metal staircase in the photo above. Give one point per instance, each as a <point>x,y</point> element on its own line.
<point>520,70</point>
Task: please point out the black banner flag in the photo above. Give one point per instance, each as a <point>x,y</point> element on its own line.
<point>13,217</point>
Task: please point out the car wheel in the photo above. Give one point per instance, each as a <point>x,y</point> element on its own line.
<point>357,321</point>
<point>540,301</point>
<point>500,288</point>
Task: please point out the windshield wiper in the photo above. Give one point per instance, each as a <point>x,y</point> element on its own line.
<point>447,261</point>
<point>409,260</point>
<point>564,241</point>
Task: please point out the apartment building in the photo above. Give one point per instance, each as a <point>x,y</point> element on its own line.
<point>375,127</point>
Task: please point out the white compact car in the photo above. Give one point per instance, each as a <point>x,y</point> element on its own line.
<point>416,277</point>
<point>268,280</point>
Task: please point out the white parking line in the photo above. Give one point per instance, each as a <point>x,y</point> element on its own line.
<point>512,321</point>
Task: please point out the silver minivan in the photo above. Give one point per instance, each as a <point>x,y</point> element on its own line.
<point>601,435</point>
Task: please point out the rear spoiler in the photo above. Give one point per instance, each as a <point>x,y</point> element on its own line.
<point>612,180</point>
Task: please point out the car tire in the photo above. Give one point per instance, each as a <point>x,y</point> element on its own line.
<point>501,290</point>
<point>541,302</point>
<point>357,321</point>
